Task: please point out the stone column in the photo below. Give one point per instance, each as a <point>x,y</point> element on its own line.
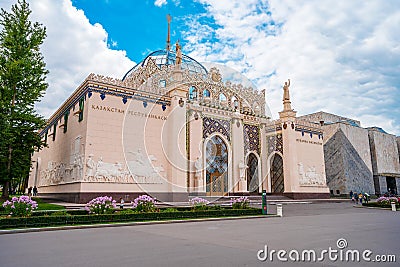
<point>238,184</point>
<point>263,157</point>
<point>197,160</point>
<point>174,140</point>
<point>289,150</point>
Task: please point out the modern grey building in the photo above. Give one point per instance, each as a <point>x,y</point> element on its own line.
<point>356,158</point>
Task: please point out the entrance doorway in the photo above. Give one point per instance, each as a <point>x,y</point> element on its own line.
<point>252,173</point>
<point>277,178</point>
<point>391,185</point>
<point>217,183</point>
<point>217,167</point>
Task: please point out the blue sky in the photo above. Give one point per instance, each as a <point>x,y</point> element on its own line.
<point>124,23</point>
<point>342,57</point>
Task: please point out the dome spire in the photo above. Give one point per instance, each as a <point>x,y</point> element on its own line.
<point>169,32</point>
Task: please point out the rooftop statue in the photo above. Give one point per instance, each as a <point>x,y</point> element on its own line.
<point>178,54</point>
<point>286,90</point>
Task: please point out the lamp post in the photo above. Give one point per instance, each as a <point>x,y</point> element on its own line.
<point>264,202</point>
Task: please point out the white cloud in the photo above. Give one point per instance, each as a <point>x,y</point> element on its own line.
<point>73,49</point>
<point>160,3</point>
<point>342,57</point>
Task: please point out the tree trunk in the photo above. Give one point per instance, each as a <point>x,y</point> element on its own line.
<point>6,186</point>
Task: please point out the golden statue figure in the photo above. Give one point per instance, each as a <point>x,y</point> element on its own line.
<point>178,53</point>
<point>286,90</point>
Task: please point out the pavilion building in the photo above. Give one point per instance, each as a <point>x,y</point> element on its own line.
<point>172,129</point>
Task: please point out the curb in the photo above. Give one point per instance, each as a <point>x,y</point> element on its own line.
<point>376,208</point>
<point>89,226</point>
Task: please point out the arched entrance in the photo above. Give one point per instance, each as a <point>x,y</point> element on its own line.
<point>277,179</point>
<point>217,167</point>
<point>252,173</point>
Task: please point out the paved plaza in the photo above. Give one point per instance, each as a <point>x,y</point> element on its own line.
<point>315,226</point>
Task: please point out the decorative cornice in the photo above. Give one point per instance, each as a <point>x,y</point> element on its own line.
<point>108,86</point>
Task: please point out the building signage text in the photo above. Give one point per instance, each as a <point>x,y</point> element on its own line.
<point>130,112</point>
<point>308,142</point>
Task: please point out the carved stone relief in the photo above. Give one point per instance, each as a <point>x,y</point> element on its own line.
<point>310,177</point>
<point>139,170</point>
<point>59,172</point>
<point>144,170</point>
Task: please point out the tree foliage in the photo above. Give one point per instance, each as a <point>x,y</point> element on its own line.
<point>22,84</point>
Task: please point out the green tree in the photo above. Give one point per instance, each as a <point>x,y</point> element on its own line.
<point>22,83</point>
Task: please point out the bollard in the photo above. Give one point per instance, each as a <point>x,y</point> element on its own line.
<point>264,202</point>
<point>279,210</point>
<point>393,206</point>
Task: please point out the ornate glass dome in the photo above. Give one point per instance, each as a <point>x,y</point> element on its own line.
<point>165,57</point>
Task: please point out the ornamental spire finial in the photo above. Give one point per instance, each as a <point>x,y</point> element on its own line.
<point>169,32</point>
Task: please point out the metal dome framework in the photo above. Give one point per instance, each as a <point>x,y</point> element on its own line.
<point>167,58</point>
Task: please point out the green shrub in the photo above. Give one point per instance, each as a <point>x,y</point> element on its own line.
<point>126,211</point>
<point>380,205</point>
<point>60,213</point>
<point>169,210</point>
<point>43,221</point>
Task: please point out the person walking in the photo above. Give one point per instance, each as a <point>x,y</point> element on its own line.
<point>351,194</point>
<point>35,191</point>
<point>360,197</point>
<point>366,197</point>
<point>121,203</point>
<point>356,198</point>
<point>30,191</point>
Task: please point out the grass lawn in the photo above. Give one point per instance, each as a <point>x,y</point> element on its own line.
<point>47,206</point>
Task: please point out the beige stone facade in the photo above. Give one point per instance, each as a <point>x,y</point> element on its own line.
<point>174,129</point>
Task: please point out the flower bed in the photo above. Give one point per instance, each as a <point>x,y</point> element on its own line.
<point>144,203</point>
<point>384,202</point>
<point>101,205</point>
<point>240,203</point>
<point>44,221</point>
<point>199,203</point>
<point>22,206</point>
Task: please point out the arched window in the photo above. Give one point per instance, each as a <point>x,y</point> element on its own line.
<point>252,173</point>
<point>192,93</point>
<point>277,177</point>
<point>222,98</point>
<point>163,83</point>
<point>206,93</point>
<point>256,107</point>
<point>235,102</point>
